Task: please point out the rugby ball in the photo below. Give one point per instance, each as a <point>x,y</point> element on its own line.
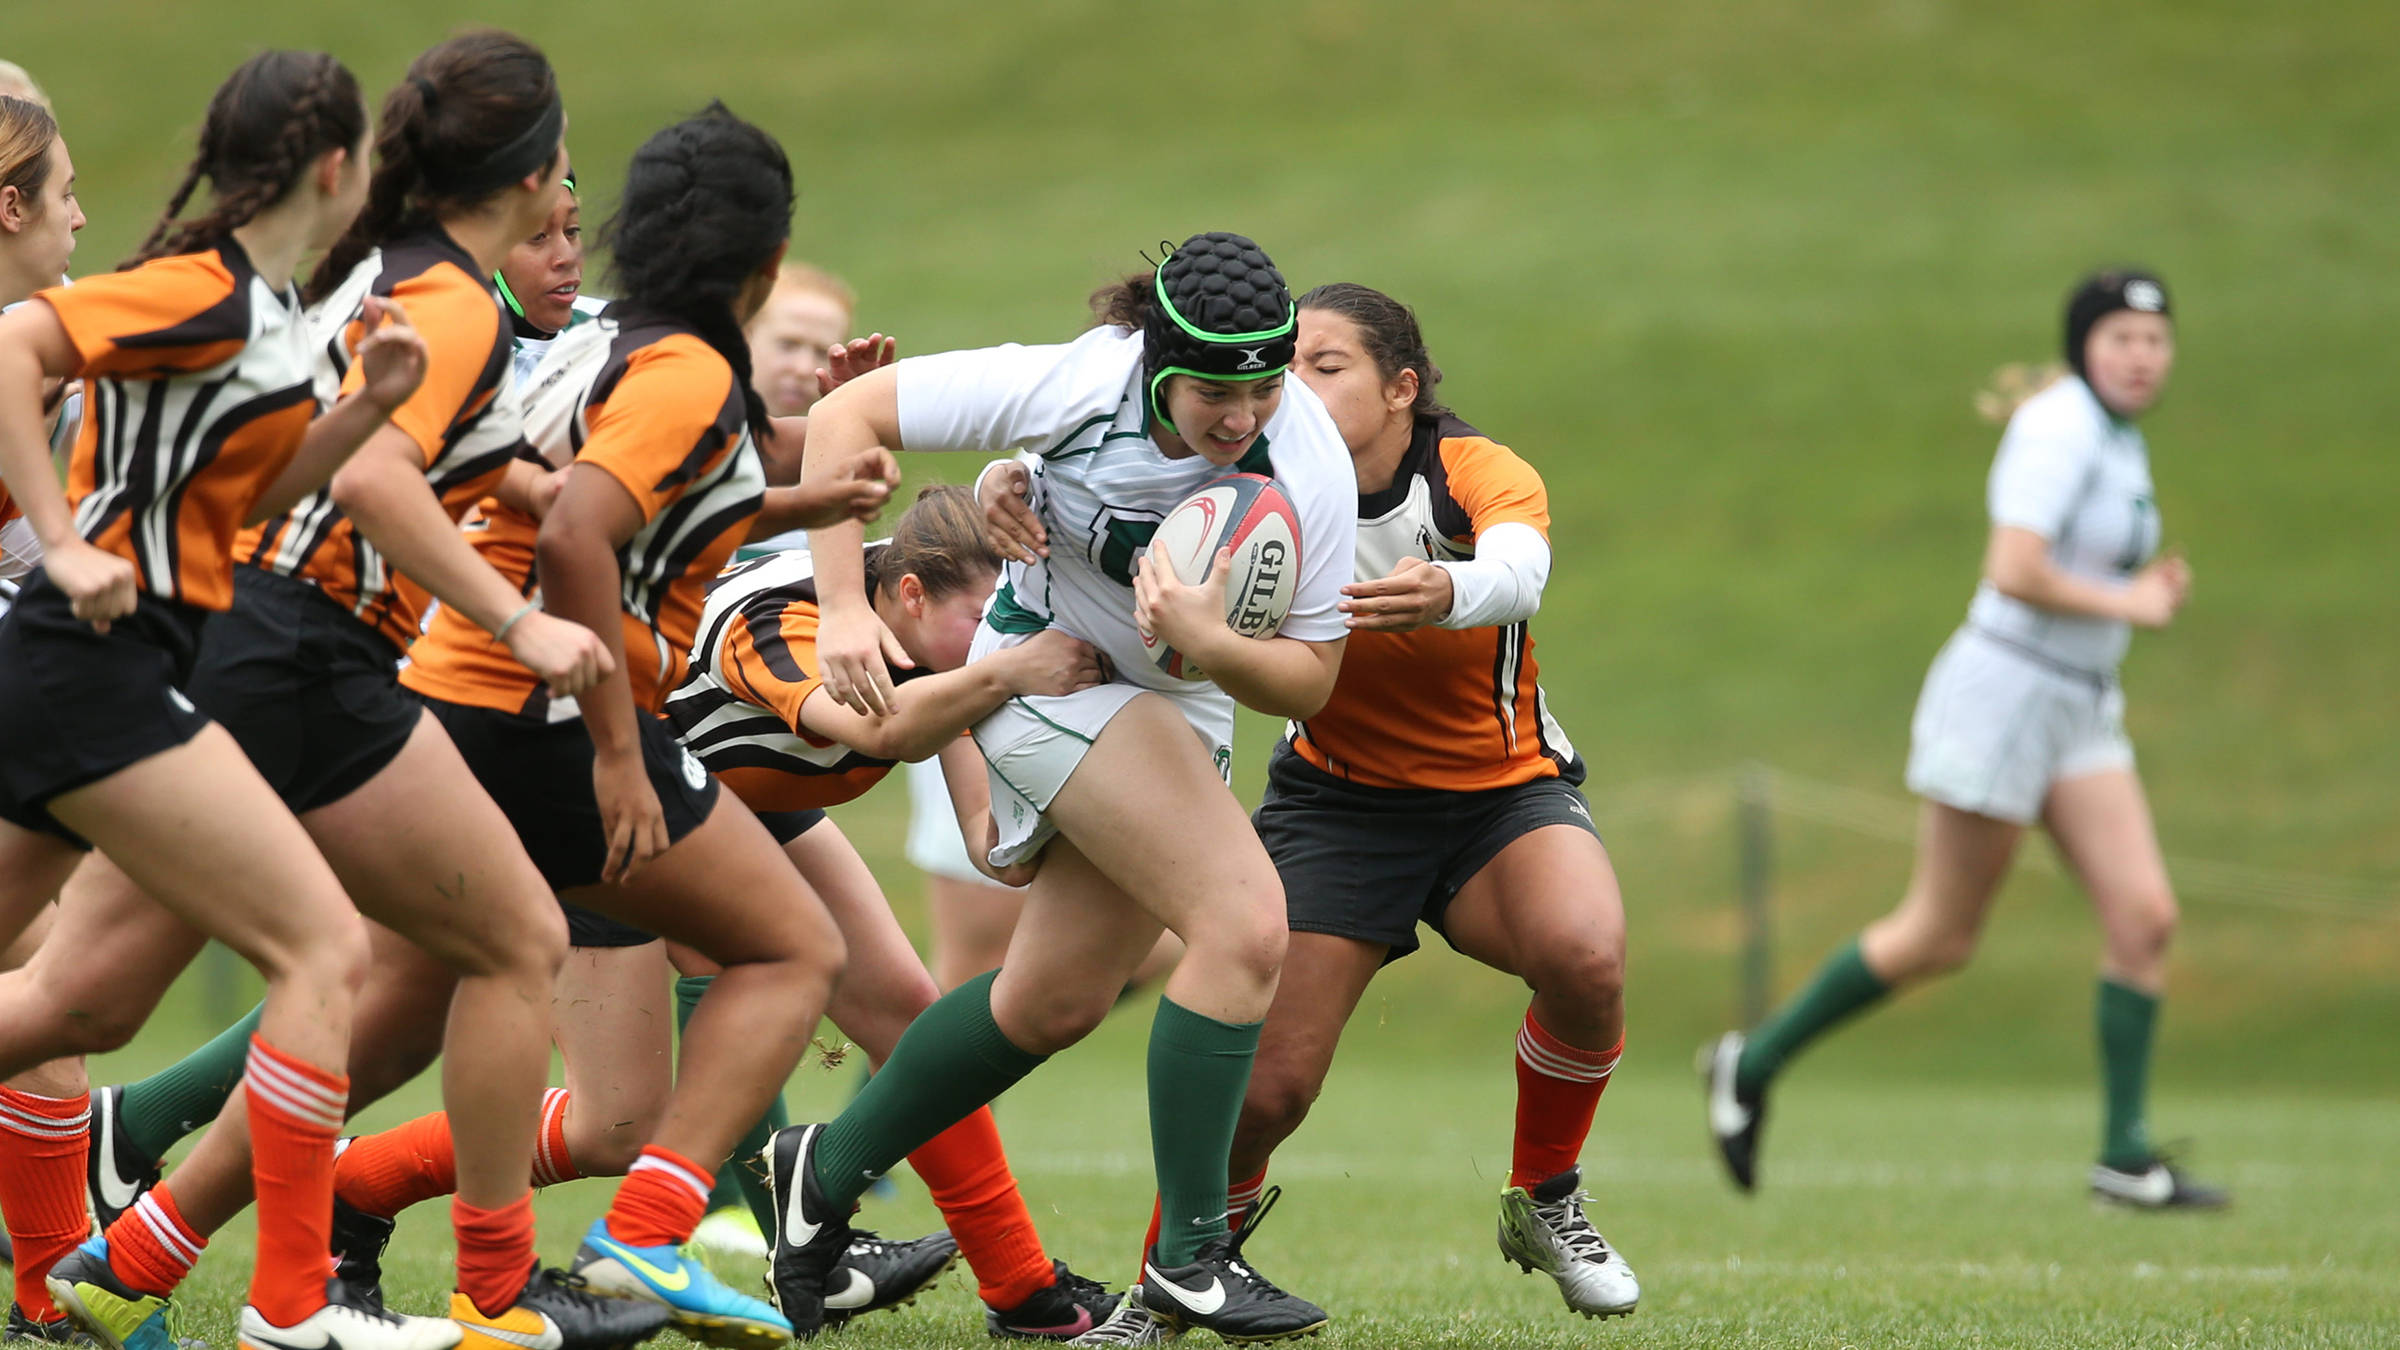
<point>1249,514</point>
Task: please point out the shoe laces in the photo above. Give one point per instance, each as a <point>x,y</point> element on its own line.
<point>1567,1222</point>
<point>572,1288</point>
<point>1078,1287</point>
<point>1255,1282</point>
<point>1130,1324</point>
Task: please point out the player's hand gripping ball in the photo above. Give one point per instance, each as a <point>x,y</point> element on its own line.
<point>1249,514</point>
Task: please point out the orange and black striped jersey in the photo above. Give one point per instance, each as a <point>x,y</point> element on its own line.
<point>464,420</point>
<point>196,396</point>
<point>1460,709</point>
<point>755,663</point>
<point>654,407</point>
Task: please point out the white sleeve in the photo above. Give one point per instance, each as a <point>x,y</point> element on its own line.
<point>2043,464</point>
<point>1504,582</point>
<point>996,400</point>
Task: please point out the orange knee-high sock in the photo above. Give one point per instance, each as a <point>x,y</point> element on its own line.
<point>1558,1088</point>
<point>295,1112</point>
<point>495,1252</point>
<point>968,1174</point>
<point>43,1144</point>
<point>661,1200</point>
<point>385,1173</point>
<point>408,1164</point>
<point>1239,1197</point>
<point>150,1247</point>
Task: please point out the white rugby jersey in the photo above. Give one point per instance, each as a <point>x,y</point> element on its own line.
<point>2080,478</point>
<point>1080,415</point>
<point>530,350</point>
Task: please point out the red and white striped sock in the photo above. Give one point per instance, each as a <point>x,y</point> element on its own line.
<point>150,1247</point>
<point>551,1165</point>
<point>295,1110</point>
<point>661,1200</point>
<point>1558,1089</point>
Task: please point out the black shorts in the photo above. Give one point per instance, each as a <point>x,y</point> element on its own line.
<point>540,774</point>
<point>591,928</point>
<point>78,705</point>
<point>1372,863</point>
<point>312,693</point>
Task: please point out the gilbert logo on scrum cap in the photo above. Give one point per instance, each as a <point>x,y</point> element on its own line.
<point>1251,360</point>
<point>2144,295</point>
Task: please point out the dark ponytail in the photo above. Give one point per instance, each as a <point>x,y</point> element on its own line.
<point>266,124</point>
<point>1127,302</point>
<point>473,115</point>
<point>706,203</point>
<point>1390,333</point>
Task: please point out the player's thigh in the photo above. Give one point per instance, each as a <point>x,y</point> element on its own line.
<point>198,830</point>
<point>1077,943</point>
<point>726,891</point>
<point>2102,825</point>
<point>1961,859</point>
<point>422,849</point>
<point>32,868</point>
<point>1547,901</point>
<point>1148,810</point>
<point>144,947</point>
<point>884,984</point>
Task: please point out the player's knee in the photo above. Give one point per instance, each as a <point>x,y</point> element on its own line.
<point>1057,1019</point>
<point>2145,927</point>
<point>607,1149</point>
<point>1591,975</point>
<point>1277,1102</point>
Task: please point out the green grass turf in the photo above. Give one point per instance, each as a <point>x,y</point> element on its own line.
<point>1894,1214</point>
<point>1728,274</point>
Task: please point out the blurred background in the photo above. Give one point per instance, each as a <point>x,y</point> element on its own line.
<point>1729,275</point>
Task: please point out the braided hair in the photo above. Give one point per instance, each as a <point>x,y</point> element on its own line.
<point>473,115</point>
<point>267,123</point>
<point>707,202</point>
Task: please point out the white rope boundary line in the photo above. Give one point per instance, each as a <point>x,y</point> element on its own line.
<point>1877,815</point>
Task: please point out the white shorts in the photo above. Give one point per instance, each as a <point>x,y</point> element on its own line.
<point>1996,726</point>
<point>934,843</point>
<point>1033,745</point>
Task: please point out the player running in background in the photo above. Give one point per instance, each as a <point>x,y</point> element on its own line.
<point>1434,787</point>
<point>1118,789</point>
<point>39,217</point>
<point>665,481</point>
<point>2021,721</point>
<point>201,364</point>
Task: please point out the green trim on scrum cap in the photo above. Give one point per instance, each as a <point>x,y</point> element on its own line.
<point>1291,318</point>
<point>1158,406</point>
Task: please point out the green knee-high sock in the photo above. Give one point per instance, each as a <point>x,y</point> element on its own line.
<point>1199,1069</point>
<point>1841,989</point>
<point>185,1095</point>
<point>2128,1019</point>
<point>952,1059</point>
<point>744,1182</point>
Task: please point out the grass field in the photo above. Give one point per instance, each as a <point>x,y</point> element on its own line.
<point>1728,275</point>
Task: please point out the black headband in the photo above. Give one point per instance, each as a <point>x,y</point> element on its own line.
<point>531,151</point>
<point>2104,293</point>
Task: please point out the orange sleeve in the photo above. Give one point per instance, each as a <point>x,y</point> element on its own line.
<point>460,322</point>
<point>773,665</point>
<point>1493,485</point>
<point>169,316</point>
<point>664,423</point>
